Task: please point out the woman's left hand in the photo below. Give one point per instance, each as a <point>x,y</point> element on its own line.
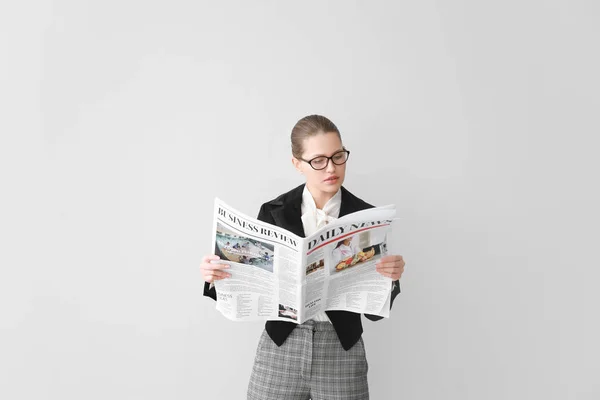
<point>391,266</point>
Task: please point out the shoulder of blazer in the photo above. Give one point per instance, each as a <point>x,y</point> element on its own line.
<point>293,197</point>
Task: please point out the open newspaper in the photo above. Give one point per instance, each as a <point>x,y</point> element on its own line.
<point>276,275</point>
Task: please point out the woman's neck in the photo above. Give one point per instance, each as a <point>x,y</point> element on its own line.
<point>320,198</point>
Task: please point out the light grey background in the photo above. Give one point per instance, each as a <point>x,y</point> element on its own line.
<point>122,120</point>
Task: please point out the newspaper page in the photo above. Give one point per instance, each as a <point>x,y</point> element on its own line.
<point>276,275</point>
<point>341,272</point>
<point>265,266</point>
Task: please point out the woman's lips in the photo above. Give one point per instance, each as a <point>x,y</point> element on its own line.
<point>331,179</point>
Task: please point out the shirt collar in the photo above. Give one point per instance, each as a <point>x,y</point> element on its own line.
<point>331,208</point>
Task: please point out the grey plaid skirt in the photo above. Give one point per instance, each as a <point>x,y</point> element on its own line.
<point>311,364</point>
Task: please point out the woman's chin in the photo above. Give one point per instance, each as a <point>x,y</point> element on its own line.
<point>331,187</point>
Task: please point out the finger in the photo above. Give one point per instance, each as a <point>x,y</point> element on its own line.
<point>215,275</point>
<point>391,268</point>
<point>391,258</point>
<point>208,258</point>
<point>388,270</point>
<point>221,275</point>
<point>390,264</point>
<point>213,267</point>
<point>386,274</point>
<point>396,274</point>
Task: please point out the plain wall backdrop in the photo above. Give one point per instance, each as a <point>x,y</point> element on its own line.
<point>120,122</point>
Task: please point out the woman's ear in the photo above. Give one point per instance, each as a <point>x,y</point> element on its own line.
<point>297,164</point>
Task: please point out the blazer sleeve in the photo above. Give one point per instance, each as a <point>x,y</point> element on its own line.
<point>210,291</point>
<point>263,215</point>
<point>395,292</point>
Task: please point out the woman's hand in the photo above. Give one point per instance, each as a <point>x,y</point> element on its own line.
<point>391,266</point>
<point>213,272</point>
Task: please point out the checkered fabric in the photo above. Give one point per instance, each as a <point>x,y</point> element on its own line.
<point>311,364</point>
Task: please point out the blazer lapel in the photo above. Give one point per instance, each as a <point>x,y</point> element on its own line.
<point>351,203</point>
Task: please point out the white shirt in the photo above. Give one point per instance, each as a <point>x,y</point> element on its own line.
<point>313,219</point>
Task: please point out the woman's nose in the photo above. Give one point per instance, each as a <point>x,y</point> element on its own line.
<point>330,166</point>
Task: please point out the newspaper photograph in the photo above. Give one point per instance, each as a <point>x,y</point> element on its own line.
<point>277,275</point>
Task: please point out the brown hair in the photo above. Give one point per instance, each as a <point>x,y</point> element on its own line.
<point>308,126</point>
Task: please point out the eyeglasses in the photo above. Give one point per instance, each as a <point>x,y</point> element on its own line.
<point>322,162</point>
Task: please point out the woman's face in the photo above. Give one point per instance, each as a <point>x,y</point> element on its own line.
<point>329,179</point>
<point>347,241</point>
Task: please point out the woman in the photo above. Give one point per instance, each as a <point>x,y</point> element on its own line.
<point>344,250</point>
<point>323,358</point>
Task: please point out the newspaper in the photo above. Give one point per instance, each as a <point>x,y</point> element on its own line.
<point>277,275</point>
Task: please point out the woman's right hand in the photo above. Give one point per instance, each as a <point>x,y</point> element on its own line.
<point>213,272</point>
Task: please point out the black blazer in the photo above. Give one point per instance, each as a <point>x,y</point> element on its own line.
<point>285,212</point>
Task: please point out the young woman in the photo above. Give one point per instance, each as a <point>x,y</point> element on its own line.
<point>323,358</point>
<point>347,253</point>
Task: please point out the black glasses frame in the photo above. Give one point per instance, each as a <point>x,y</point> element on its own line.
<point>328,159</point>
